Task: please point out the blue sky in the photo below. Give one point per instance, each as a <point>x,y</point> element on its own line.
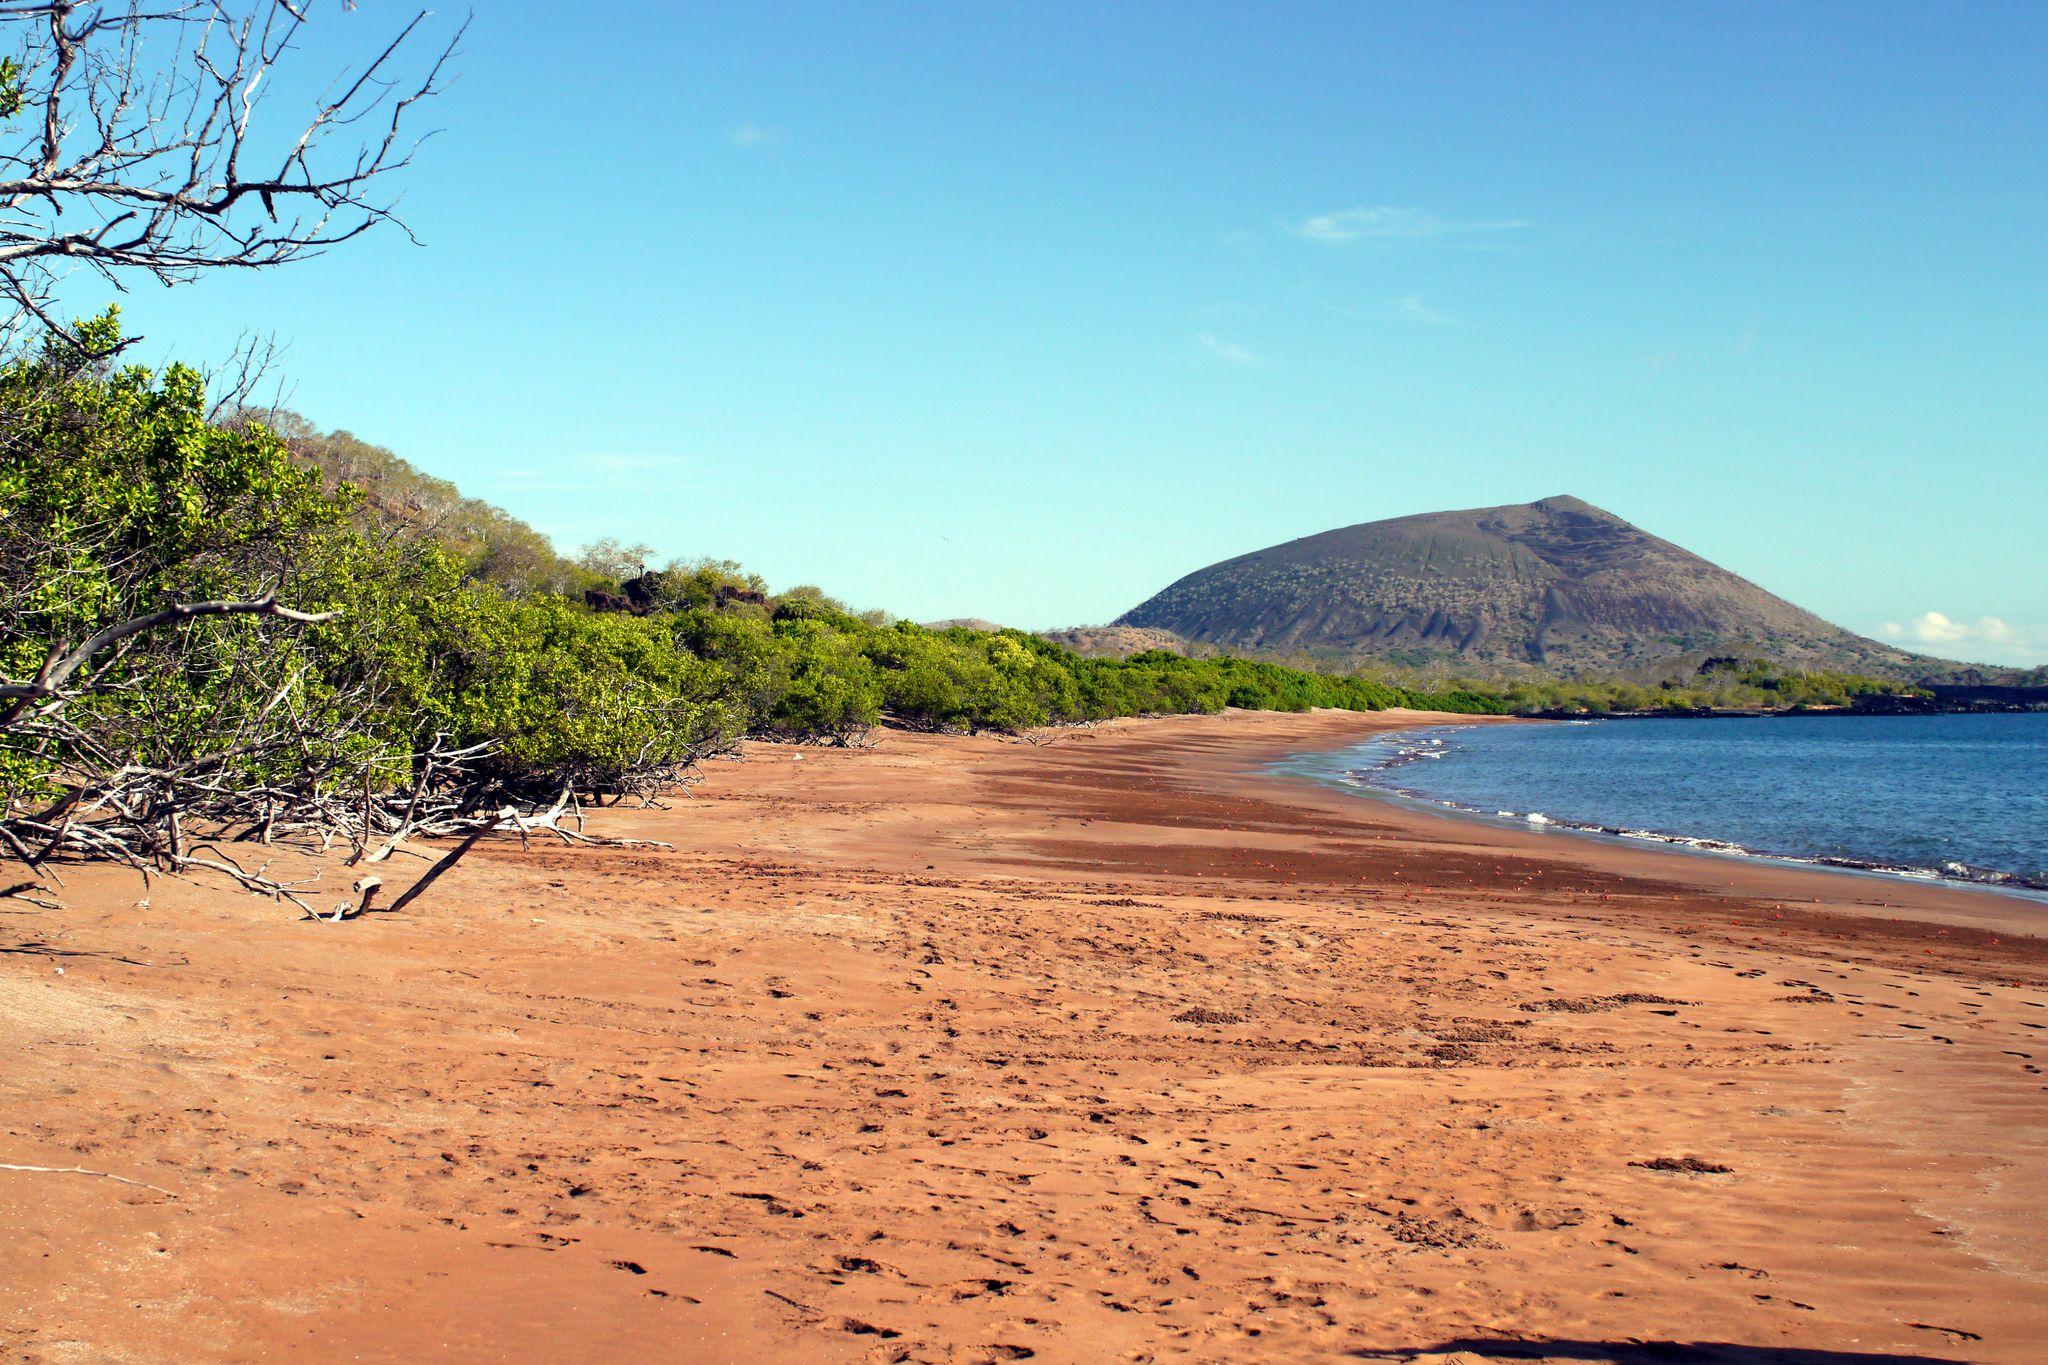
<point>1024,311</point>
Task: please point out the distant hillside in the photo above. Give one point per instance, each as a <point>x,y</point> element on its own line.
<point>1558,585</point>
<point>962,623</point>
<point>1120,642</point>
<point>497,546</point>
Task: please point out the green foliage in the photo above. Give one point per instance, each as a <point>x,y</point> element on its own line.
<point>13,96</point>
<point>570,696</point>
<point>118,498</point>
<point>817,671</point>
<point>820,685</point>
<point>1719,685</point>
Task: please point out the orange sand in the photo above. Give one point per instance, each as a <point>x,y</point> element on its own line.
<point>1107,1048</point>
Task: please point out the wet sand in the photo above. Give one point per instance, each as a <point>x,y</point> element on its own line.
<point>1112,1047</point>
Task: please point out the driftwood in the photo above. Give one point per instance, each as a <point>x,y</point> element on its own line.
<point>26,891</point>
<point>80,1170</point>
<point>199,815</point>
<point>507,820</point>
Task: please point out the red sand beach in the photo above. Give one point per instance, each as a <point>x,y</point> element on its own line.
<point>1105,1048</point>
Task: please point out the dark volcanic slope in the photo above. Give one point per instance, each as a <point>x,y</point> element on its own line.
<point>1559,583</point>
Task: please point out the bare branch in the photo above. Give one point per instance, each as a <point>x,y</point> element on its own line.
<point>80,1170</point>
<point>150,119</point>
<point>234,384</point>
<point>58,669</point>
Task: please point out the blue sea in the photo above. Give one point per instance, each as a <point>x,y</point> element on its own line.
<point>1954,797</point>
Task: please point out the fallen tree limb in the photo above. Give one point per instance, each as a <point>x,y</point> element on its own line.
<point>508,820</point>
<point>80,1170</point>
<point>277,778</point>
<point>26,891</point>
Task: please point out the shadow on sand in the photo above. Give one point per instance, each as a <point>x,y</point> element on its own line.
<point>37,948</point>
<point>1659,1352</point>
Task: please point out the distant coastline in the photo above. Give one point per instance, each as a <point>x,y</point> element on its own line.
<point>1370,770</point>
<point>1946,699</point>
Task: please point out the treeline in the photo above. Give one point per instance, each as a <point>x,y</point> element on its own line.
<point>451,660</point>
<point>813,670</point>
<point>1720,685</point>
<point>391,496</point>
<point>119,499</point>
<point>450,647</point>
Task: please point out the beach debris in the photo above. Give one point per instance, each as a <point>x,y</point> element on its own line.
<point>1690,1165</point>
<point>366,889</point>
<point>1595,1004</point>
<point>27,891</point>
<point>508,820</point>
<point>1201,1014</point>
<point>184,818</point>
<point>100,1175</point>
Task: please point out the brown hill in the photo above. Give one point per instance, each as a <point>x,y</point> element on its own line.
<point>1120,642</point>
<point>1557,584</point>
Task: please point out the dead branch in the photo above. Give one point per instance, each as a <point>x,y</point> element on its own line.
<point>510,820</point>
<point>234,383</point>
<point>150,155</point>
<point>114,789</point>
<point>26,891</point>
<point>80,1170</point>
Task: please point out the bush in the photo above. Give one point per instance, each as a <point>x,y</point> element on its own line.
<point>118,498</point>
<point>821,687</point>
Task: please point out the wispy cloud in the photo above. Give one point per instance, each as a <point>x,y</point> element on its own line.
<point>751,135</point>
<point>609,463</point>
<point>1413,309</point>
<point>600,470</point>
<point>1387,222</point>
<point>1993,638</point>
<point>1230,353</point>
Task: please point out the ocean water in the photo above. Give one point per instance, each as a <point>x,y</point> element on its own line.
<point>1960,797</point>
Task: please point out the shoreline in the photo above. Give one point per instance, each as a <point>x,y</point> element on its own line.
<point>1840,891</point>
<point>1363,782</point>
<point>956,1048</point>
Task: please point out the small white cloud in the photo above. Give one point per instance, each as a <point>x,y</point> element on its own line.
<point>1384,222</point>
<point>1987,633</point>
<point>1229,352</point>
<point>750,135</point>
<point>1933,628</point>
